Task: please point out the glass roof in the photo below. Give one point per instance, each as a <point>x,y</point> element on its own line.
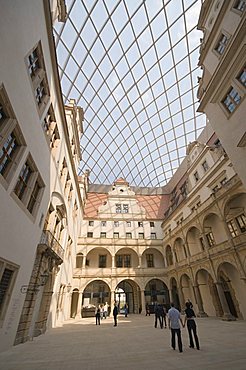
<point>132,66</point>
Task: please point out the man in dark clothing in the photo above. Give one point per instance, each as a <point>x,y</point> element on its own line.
<point>115,313</point>
<point>158,315</point>
<point>191,325</point>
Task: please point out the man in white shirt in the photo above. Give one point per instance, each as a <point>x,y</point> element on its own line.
<point>174,320</point>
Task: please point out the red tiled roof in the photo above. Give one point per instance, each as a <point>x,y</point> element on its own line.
<point>154,205</point>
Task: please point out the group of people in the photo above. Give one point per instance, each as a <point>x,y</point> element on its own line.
<point>175,323</point>
<point>101,312</point>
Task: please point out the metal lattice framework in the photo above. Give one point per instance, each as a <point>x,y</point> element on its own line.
<point>132,66</point>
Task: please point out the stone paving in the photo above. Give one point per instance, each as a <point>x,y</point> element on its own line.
<point>133,345</point>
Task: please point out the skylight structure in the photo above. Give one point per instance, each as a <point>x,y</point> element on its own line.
<point>132,66</point>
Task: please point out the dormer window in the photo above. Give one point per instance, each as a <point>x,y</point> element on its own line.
<point>240,5</point>
<point>221,45</point>
<point>205,166</point>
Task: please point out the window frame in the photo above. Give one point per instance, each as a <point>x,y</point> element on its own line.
<point>219,42</point>
<point>153,236</point>
<point>150,260</point>
<point>102,261</point>
<point>5,264</point>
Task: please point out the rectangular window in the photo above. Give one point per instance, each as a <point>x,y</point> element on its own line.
<point>127,260</point>
<point>103,223</point>
<point>242,77</point>
<point>116,224</point>
<point>91,223</point>
<point>150,260</point>
<point>119,261</point>
<point>102,261</point>
<point>29,186</point>
<point>152,224</point>
<point>118,208</point>
<point>140,235</point>
<point>103,235</point>
<point>89,234</point>
<point>241,221</point>
<point>37,73</point>
<point>221,45</point>
<point>11,138</point>
<point>210,239</point>
<point>233,228</point>
<point>116,235</point>
<point>125,208</point>
<point>8,272</point>
<point>128,224</point>
<point>140,224</point>
<point>240,5</point>
<point>231,100</point>
<point>202,243</point>
<point>50,127</point>
<point>205,166</point>
<point>128,235</point>
<point>196,176</point>
<point>152,235</point>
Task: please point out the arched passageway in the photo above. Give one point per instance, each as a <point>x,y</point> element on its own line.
<point>156,291</point>
<point>74,303</point>
<point>128,292</point>
<point>95,293</point>
<point>175,294</point>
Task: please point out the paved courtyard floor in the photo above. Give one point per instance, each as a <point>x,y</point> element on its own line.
<point>133,345</point>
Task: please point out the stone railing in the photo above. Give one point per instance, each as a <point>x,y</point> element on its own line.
<point>48,240</point>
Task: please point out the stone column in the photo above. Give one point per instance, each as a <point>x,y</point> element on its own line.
<point>181,298</point>
<point>112,300</point>
<point>201,312</point>
<point>227,316</point>
<point>113,262</point>
<point>84,261</point>
<point>143,302</point>
<point>140,261</point>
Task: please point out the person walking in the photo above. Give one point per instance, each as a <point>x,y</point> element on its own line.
<point>174,320</point>
<point>126,309</point>
<point>191,326</point>
<point>115,313</point>
<point>158,315</point>
<point>98,315</point>
<point>147,309</point>
<point>164,314</point>
<point>105,313</point>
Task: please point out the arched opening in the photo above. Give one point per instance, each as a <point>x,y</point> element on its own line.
<point>128,292</point>
<point>194,241</point>
<point>187,288</point>
<point>206,294</point>
<point>74,303</point>
<point>235,215</point>
<point>79,260</point>
<point>152,258</point>
<point>126,258</point>
<point>233,289</point>
<point>214,230</point>
<point>95,293</point>
<point>180,249</point>
<point>156,291</point>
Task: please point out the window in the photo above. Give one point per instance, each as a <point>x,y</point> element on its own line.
<point>37,73</point>
<point>221,45</point>
<point>231,100</point>
<point>8,272</point>
<point>118,208</point>
<point>50,127</point>
<point>140,224</point>
<point>196,176</point>
<point>240,5</point>
<point>103,235</point>
<point>152,224</point>
<point>127,260</point>
<point>91,223</point>
<point>242,77</point>
<point>150,260</point>
<point>210,239</point>
<point>89,234</point>
<point>103,223</point>
<point>233,228</point>
<point>241,221</point>
<point>140,235</point>
<point>11,140</point>
<point>29,187</point>
<point>205,166</point>
<point>128,223</point>
<point>152,235</point>
<point>125,208</point>
<point>123,260</point>
<point>116,235</point>
<point>202,243</point>
<point>119,261</point>
<point>128,235</point>
<point>102,261</point>
<point>116,224</point>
